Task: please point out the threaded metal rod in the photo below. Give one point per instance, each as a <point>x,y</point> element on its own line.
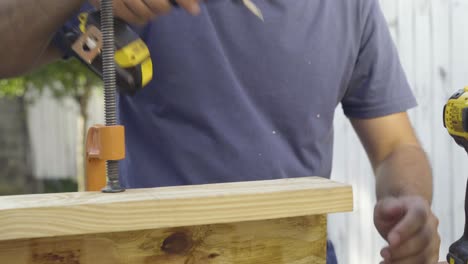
<point>108,63</point>
<point>109,80</point>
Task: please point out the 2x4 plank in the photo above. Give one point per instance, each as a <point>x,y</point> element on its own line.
<point>51,215</point>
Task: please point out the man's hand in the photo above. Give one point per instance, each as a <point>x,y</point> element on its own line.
<point>142,11</point>
<point>410,228</point>
<point>403,171</point>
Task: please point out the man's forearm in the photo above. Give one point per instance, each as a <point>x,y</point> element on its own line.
<point>406,171</point>
<point>27,27</point>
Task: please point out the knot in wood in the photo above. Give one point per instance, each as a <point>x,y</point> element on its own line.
<point>178,243</point>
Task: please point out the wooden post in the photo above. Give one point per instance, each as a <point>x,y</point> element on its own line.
<point>275,222</point>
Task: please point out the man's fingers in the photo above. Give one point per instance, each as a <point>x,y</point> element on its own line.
<point>192,6</point>
<point>413,245</point>
<point>122,10</point>
<point>415,218</point>
<point>158,6</point>
<point>414,238</point>
<point>142,11</point>
<point>389,209</point>
<point>139,8</point>
<point>425,256</point>
<point>387,213</point>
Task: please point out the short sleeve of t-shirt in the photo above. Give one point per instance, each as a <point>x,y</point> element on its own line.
<point>378,85</point>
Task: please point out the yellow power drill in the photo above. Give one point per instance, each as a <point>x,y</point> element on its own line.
<point>133,65</point>
<point>134,68</point>
<point>456,121</point>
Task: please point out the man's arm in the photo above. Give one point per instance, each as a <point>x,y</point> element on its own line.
<point>27,28</point>
<point>400,164</point>
<point>403,213</point>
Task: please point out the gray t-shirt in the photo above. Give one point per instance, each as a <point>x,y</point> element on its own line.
<point>237,99</point>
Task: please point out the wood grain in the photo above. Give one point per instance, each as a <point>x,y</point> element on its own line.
<point>298,240</point>
<point>49,215</point>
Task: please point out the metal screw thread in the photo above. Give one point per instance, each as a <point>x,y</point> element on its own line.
<point>113,184</point>
<point>109,79</point>
<point>108,63</point>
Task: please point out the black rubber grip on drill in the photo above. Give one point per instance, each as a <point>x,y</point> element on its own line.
<point>458,251</point>
<point>462,142</point>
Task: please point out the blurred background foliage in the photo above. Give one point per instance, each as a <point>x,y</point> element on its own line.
<point>63,79</point>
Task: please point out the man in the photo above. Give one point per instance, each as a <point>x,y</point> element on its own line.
<point>237,99</point>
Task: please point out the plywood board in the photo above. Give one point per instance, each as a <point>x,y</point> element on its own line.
<point>298,240</point>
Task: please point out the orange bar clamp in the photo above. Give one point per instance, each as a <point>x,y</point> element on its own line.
<point>103,143</point>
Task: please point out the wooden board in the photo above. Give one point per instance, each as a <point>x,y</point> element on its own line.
<point>298,240</point>
<point>50,215</point>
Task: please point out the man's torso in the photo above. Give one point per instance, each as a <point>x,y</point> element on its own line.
<point>236,99</point>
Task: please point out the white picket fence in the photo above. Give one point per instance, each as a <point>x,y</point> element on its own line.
<point>432,39</point>
<point>54,129</point>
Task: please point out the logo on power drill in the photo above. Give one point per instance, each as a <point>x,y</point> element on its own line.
<point>453,116</point>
